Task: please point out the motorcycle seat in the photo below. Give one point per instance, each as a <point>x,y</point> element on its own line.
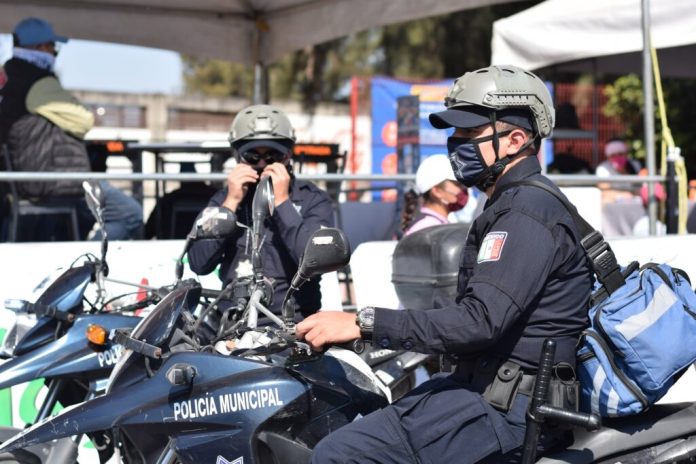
<point>659,424</point>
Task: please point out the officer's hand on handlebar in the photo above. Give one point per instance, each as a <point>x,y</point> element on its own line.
<point>328,327</point>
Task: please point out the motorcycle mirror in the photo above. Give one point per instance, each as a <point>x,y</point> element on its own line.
<point>327,250</point>
<point>213,222</point>
<point>263,204</point>
<point>94,198</point>
<point>16,306</point>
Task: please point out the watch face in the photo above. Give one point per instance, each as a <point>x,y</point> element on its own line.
<point>367,317</point>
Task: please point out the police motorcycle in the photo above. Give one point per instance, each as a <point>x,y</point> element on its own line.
<point>174,398</point>
<point>48,337</point>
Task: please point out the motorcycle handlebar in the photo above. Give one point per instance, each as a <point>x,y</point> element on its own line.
<point>208,293</point>
<point>139,304</point>
<point>357,345</point>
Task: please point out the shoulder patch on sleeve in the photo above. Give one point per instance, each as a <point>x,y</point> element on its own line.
<point>491,247</point>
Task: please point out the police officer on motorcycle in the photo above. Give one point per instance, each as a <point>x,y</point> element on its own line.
<point>262,140</point>
<point>523,277</point>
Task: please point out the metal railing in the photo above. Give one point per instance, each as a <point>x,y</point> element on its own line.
<point>560,179</point>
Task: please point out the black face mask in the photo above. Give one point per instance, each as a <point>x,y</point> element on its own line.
<point>468,164</point>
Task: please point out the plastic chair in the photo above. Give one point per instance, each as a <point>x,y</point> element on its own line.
<point>20,207</point>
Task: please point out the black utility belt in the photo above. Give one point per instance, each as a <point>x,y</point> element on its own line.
<point>500,381</point>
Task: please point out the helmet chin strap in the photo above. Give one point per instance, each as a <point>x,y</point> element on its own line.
<point>494,171</point>
<point>488,177</point>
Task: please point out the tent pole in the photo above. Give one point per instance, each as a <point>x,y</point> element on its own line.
<point>649,114</point>
<point>260,96</point>
<point>595,114</point>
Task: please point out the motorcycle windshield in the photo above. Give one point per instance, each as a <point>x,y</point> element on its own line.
<point>67,290</point>
<point>156,329</point>
<point>65,294</point>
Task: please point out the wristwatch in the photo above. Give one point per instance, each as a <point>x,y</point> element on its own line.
<point>366,321</point>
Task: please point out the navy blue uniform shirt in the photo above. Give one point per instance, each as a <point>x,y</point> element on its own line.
<point>523,277</point>
<point>286,234</point>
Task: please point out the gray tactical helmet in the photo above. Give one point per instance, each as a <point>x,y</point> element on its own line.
<point>261,122</point>
<point>497,88</point>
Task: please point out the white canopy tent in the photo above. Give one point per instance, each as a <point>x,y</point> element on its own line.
<point>244,31</point>
<point>604,36</point>
<point>597,35</point>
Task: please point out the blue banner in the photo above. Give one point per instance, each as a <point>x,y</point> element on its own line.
<point>385,92</point>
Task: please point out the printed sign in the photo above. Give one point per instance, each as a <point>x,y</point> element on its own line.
<point>244,400</point>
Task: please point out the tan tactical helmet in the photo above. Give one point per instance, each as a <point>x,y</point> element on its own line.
<point>261,122</point>
<point>505,88</point>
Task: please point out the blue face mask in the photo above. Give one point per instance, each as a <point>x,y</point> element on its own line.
<point>467,161</point>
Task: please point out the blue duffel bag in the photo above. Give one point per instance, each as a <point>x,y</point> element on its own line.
<point>640,339</point>
<point>642,333</point>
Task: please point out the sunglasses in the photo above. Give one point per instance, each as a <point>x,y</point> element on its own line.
<point>269,156</point>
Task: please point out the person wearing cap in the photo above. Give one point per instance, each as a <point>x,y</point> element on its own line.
<point>33,102</point>
<point>41,124</point>
<point>618,162</point>
<point>440,192</point>
<point>262,140</point>
<point>523,277</point>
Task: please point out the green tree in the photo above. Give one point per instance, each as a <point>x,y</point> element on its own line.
<point>428,48</point>
<point>626,102</point>
<point>217,78</point>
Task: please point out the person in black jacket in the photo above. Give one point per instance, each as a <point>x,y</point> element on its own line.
<point>43,127</point>
<point>262,139</point>
<point>523,277</point>
<point>42,124</point>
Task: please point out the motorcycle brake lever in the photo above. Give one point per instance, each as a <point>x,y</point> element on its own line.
<point>303,347</point>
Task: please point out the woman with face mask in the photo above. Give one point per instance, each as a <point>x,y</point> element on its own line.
<point>437,193</point>
<point>618,162</point>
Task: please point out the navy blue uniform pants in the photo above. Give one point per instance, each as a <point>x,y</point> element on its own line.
<point>439,422</point>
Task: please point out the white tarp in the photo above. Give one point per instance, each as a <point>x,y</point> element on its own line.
<point>575,32</point>
<point>224,29</point>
